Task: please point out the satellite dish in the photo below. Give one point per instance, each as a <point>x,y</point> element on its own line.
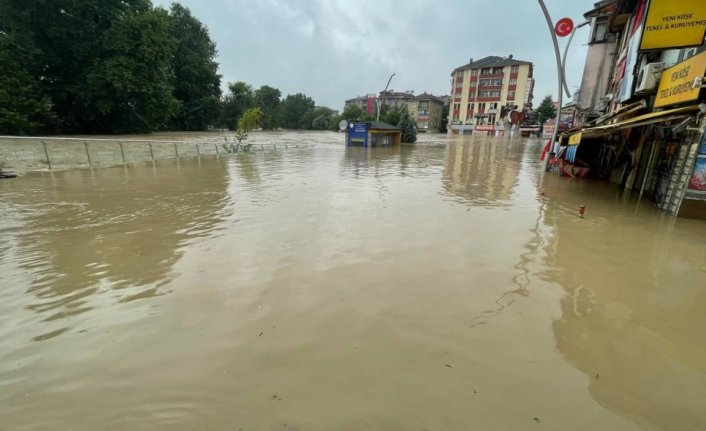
<point>343,125</point>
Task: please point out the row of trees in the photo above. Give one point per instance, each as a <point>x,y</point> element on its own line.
<point>104,66</point>
<point>296,111</point>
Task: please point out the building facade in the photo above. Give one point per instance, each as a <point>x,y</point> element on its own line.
<point>426,111</point>
<point>482,91</point>
<point>366,103</point>
<point>640,111</point>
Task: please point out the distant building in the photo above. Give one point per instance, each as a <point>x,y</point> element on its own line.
<point>366,103</point>
<point>426,111</point>
<point>481,91</point>
<point>395,99</point>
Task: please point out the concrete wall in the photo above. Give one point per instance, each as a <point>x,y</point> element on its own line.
<point>596,74</point>
<point>23,155</point>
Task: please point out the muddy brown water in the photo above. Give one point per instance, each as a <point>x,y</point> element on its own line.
<point>426,287</point>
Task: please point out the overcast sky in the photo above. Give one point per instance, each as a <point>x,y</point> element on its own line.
<point>333,50</point>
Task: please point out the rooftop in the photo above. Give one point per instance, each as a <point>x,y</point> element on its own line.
<point>427,96</point>
<point>493,61</point>
<point>381,125</point>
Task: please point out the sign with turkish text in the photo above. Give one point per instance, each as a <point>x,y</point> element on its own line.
<point>681,82</point>
<point>484,128</point>
<point>575,139</point>
<point>674,24</point>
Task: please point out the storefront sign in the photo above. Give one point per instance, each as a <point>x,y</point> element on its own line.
<point>484,128</point>
<point>575,139</point>
<point>548,130</point>
<point>681,82</point>
<point>674,24</point>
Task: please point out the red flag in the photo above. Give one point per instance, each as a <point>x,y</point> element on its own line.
<point>545,150</point>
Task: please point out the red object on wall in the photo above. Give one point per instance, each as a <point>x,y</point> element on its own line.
<point>371,105</point>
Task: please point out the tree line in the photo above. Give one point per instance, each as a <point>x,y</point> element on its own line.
<point>125,66</point>
<point>295,111</point>
<point>104,66</point>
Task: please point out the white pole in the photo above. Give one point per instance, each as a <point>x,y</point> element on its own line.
<point>378,98</point>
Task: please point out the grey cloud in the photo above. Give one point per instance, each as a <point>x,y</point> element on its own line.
<point>335,49</point>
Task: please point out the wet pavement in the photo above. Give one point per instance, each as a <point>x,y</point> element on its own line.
<point>427,287</point>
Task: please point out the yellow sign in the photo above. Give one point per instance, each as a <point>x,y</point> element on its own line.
<point>681,82</point>
<point>674,24</point>
<point>575,139</point>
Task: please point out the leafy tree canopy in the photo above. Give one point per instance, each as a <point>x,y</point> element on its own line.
<point>409,129</point>
<point>268,99</point>
<point>545,111</point>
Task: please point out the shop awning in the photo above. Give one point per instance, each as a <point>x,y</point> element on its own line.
<point>641,120</point>
<point>625,110</point>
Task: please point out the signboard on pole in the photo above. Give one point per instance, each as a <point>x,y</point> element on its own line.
<point>681,82</point>
<point>674,24</point>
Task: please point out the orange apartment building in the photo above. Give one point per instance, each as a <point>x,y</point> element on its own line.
<point>481,89</point>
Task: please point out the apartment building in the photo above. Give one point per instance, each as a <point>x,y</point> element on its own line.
<point>426,109</point>
<point>483,90</point>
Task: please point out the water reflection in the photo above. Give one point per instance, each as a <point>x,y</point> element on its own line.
<point>419,287</point>
<point>483,171</point>
<point>97,236</point>
<point>632,317</point>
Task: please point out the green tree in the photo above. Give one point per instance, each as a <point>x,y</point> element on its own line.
<point>409,129</point>
<point>133,83</point>
<point>24,108</point>
<point>544,112</point>
<point>247,123</point>
<point>444,118</point>
<point>240,98</point>
<point>197,84</point>
<point>324,116</point>
<point>295,111</point>
<point>352,113</point>
<point>393,115</point>
<point>268,99</point>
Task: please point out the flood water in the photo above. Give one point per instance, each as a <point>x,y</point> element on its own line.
<point>427,287</point>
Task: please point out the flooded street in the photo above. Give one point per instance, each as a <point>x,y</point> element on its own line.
<point>427,287</point>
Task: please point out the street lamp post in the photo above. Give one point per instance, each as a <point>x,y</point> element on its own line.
<point>561,77</point>
<point>377,118</point>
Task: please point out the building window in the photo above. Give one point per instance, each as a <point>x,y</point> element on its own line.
<point>481,107</point>
<point>497,71</point>
<point>473,83</point>
<point>485,71</point>
<point>515,69</point>
<point>493,105</point>
<point>600,30</point>
<point>491,93</point>
<point>474,72</point>
<point>513,82</point>
<point>510,94</point>
<point>491,119</point>
<point>495,82</point>
<point>470,106</point>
